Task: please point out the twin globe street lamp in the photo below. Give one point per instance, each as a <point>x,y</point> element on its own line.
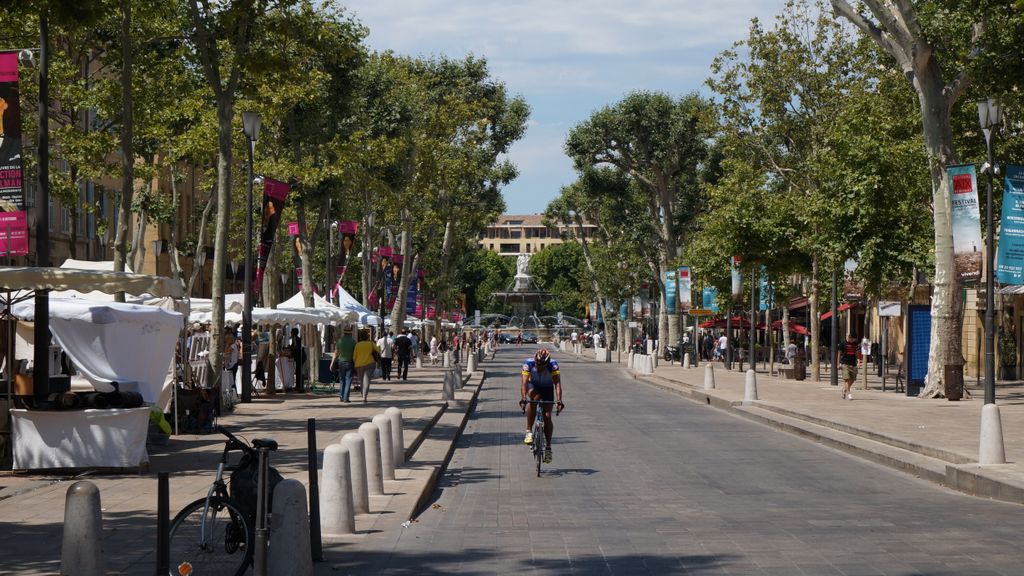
<point>251,126</point>
<point>991,449</point>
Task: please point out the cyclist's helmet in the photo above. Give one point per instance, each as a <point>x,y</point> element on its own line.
<point>542,357</point>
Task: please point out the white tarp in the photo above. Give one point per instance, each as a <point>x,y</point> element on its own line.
<point>79,438</point>
<point>130,344</point>
<point>265,316</point>
<point>85,281</point>
<point>322,306</point>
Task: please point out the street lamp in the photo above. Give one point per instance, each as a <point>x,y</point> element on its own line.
<point>991,450</point>
<point>251,126</point>
<point>201,259</point>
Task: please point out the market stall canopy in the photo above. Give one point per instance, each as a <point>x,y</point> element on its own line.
<point>264,316</point>
<point>840,308</point>
<point>348,302</point>
<point>130,344</point>
<point>793,327</point>
<point>86,281</point>
<point>322,307</point>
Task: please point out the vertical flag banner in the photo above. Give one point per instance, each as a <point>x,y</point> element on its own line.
<point>624,311</point>
<point>671,287</point>
<point>1010,256</point>
<point>347,229</point>
<point>710,298</point>
<point>737,281</point>
<point>963,185</point>
<point>767,295</point>
<point>274,195</point>
<point>13,220</point>
<point>685,289</point>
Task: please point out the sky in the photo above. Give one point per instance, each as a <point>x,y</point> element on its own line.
<point>567,58</point>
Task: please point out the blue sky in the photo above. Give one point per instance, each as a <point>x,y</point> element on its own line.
<point>566,58</point>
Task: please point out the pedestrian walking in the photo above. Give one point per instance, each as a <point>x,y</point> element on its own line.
<point>341,361</point>
<point>848,364</point>
<point>403,351</point>
<point>385,345</point>
<point>364,356</point>
<point>434,350</point>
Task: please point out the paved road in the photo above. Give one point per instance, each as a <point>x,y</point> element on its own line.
<point>647,482</point>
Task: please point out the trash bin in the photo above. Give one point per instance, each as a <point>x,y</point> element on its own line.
<point>799,366</point>
<point>954,379</point>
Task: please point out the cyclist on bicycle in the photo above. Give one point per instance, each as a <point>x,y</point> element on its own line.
<point>541,381</point>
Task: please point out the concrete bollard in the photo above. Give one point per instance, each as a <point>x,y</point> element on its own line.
<point>371,445</point>
<point>686,360</point>
<point>471,365</point>
<point>337,508</point>
<point>387,452</point>
<point>448,386</point>
<point>291,553</point>
<point>629,361</point>
<point>750,388</point>
<point>397,434</point>
<point>445,359</point>
<point>357,463</point>
<point>991,450</point>
<point>709,377</point>
<point>82,546</point>
<point>419,360</point>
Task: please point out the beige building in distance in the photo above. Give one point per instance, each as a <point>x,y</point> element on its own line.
<point>515,234</point>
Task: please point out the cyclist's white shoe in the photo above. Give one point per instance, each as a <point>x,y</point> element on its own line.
<point>528,439</point>
<point>548,456</point>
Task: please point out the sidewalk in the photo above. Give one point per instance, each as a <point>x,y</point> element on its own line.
<point>936,439</point>
<point>32,506</point>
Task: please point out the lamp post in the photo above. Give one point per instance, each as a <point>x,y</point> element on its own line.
<point>201,259</point>
<point>251,126</point>
<point>991,448</point>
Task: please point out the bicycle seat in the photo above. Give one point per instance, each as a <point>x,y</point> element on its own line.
<point>267,443</point>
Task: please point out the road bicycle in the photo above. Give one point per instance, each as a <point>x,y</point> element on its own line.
<point>219,534</point>
<point>539,440</point>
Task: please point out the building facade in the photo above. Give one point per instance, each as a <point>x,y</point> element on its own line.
<point>514,234</point>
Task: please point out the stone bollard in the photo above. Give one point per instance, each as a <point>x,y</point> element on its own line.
<point>371,445</point>
<point>387,452</point>
<point>419,360</point>
<point>709,377</point>
<point>750,388</point>
<point>82,547</point>
<point>448,386</point>
<point>291,553</point>
<point>992,450</point>
<point>397,435</point>
<point>471,366</point>
<point>357,462</point>
<point>686,361</point>
<point>337,507</point>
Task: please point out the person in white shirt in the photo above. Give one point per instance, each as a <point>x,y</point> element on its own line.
<point>723,347</point>
<point>386,345</point>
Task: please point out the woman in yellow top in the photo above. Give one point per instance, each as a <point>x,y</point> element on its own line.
<point>364,356</point>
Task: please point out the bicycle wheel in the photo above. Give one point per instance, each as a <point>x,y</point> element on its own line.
<point>538,449</point>
<point>213,540</point>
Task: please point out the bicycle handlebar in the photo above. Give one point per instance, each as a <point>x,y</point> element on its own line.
<point>234,443</point>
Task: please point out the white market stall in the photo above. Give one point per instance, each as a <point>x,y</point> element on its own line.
<point>128,344</point>
<point>347,303</point>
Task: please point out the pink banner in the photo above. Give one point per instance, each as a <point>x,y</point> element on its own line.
<point>348,226</point>
<point>13,221</point>
<point>293,228</point>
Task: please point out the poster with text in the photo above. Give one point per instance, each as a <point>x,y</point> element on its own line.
<point>966,218</point>
<point>670,291</point>
<point>347,230</point>
<point>13,220</point>
<point>1010,255</point>
<point>710,299</point>
<point>685,289</point>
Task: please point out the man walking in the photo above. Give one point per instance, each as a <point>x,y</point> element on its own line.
<point>386,354</point>
<point>403,352</point>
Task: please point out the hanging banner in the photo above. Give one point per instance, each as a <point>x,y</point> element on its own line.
<point>737,281</point>
<point>710,298</point>
<point>966,218</point>
<point>767,296</point>
<point>624,311</point>
<point>395,271</point>
<point>13,219</point>
<point>685,289</point>
<point>1010,255</point>
<point>274,195</point>
<point>671,287</point>
<point>347,230</point>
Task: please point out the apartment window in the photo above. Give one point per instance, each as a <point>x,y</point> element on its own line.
<point>515,233</point>
<point>492,246</point>
<point>528,246</point>
<point>509,248</point>
<point>542,246</point>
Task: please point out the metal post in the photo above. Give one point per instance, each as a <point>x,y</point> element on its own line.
<point>163,515</point>
<point>753,317</point>
<point>41,334</point>
<point>259,558</point>
<point>728,335</point>
<point>834,347</point>
<point>247,288</point>
<point>990,303</point>
<point>316,546</point>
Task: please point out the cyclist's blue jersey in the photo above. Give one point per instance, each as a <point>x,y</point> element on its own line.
<point>540,379</point>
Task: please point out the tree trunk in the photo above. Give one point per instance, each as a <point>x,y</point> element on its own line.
<point>225,114</point>
<point>408,272</point>
<point>127,147</point>
<point>307,276</point>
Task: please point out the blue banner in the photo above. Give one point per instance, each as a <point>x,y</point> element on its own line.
<point>624,311</point>
<point>670,291</point>
<point>1010,255</point>
<point>710,298</point>
<point>767,295</point>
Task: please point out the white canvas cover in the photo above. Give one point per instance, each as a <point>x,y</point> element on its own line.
<point>264,316</point>
<point>322,306</point>
<point>130,344</point>
<point>85,281</point>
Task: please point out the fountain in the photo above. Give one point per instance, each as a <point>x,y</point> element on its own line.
<point>523,295</point>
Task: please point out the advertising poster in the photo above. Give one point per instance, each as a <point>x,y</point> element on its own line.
<point>1010,255</point>
<point>624,311</point>
<point>766,292</point>
<point>347,229</point>
<point>13,221</point>
<point>274,195</point>
<point>966,218</point>
<point>685,289</point>
<point>710,298</point>
<point>671,286</point>
<point>737,281</point>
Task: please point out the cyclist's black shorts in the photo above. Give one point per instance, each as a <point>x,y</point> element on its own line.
<point>546,393</point>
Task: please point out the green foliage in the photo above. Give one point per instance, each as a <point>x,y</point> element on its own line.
<point>560,269</point>
<point>485,273</point>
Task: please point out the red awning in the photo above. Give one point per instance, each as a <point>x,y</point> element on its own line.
<point>793,327</point>
<point>797,302</point>
<point>737,322</point>
<point>841,307</point>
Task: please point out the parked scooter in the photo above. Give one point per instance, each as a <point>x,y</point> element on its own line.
<point>672,354</point>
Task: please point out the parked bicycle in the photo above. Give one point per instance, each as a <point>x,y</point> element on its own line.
<point>218,534</point>
<point>538,444</point>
